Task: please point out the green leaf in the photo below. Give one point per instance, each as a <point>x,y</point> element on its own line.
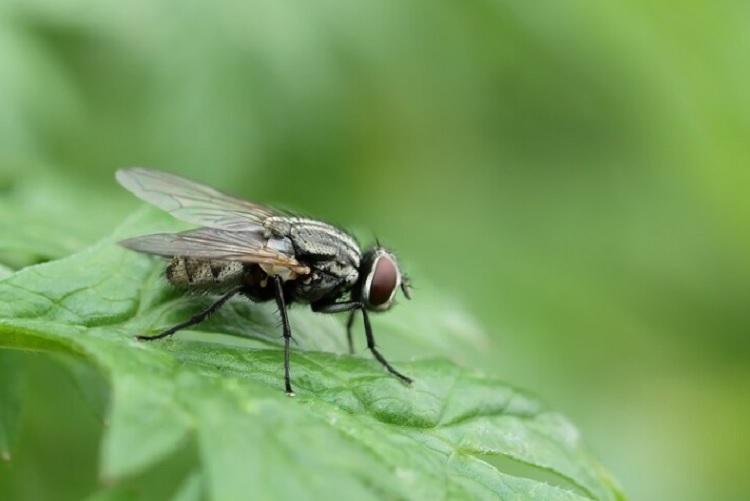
<point>11,391</point>
<point>5,272</point>
<point>352,428</point>
<point>44,216</point>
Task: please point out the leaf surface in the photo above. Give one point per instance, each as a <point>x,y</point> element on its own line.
<point>352,428</point>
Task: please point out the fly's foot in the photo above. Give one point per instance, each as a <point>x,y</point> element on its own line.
<point>404,379</point>
<point>148,338</point>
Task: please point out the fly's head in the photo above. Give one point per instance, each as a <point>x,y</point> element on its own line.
<point>379,279</point>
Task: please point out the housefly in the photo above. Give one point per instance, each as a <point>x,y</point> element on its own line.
<point>263,254</point>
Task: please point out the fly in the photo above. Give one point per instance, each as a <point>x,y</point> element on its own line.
<point>263,254</point>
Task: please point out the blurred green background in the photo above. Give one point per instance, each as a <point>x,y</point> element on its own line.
<point>575,173</point>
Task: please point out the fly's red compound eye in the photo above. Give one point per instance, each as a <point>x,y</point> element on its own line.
<point>384,280</point>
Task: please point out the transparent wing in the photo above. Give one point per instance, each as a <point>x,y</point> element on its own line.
<point>210,243</point>
<point>193,202</point>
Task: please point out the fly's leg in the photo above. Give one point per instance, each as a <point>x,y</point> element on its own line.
<point>349,324</point>
<point>376,353</point>
<point>279,290</point>
<point>353,306</point>
<point>195,319</point>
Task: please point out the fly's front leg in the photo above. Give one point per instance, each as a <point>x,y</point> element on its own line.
<point>353,306</point>
<point>195,319</point>
<point>376,353</point>
<point>279,290</point>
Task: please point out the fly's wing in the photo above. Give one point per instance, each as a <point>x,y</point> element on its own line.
<point>193,202</point>
<point>210,243</point>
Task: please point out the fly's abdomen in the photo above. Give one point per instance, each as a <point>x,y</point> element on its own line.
<point>204,274</point>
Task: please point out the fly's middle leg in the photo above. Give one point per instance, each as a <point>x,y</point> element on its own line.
<point>349,325</point>
<point>279,290</point>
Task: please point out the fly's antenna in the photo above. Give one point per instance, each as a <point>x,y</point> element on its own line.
<point>406,286</point>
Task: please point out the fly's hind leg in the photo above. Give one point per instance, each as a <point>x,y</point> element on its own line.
<point>195,319</point>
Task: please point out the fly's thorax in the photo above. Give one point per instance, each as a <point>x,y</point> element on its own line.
<point>316,238</point>
<point>332,256</point>
<point>204,274</point>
